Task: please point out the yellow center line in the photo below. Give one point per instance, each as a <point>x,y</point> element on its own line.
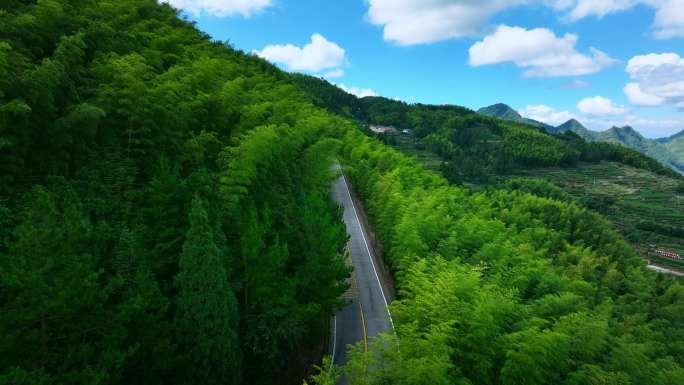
<point>363,328</point>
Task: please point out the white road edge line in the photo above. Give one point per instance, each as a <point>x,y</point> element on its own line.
<point>332,361</point>
<point>664,270</point>
<point>363,236</point>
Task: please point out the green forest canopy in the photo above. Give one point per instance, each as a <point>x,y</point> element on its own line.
<point>474,146</point>
<point>165,211</point>
<point>637,193</point>
<point>505,287</point>
<point>143,163</point>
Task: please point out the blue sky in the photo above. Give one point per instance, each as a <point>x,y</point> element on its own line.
<point>604,62</point>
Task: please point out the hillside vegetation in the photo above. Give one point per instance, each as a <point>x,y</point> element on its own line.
<point>506,287</point>
<point>165,211</point>
<point>648,209</point>
<point>166,219</point>
<point>671,154</point>
<point>519,285</point>
<point>675,145</point>
<point>474,146</point>
<point>645,207</point>
<point>638,194</point>
<point>505,112</point>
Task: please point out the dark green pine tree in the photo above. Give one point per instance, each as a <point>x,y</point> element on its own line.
<point>146,307</point>
<point>207,314</point>
<point>58,322</point>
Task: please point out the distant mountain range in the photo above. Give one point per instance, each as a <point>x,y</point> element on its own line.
<point>675,145</point>
<point>669,151</point>
<point>505,112</point>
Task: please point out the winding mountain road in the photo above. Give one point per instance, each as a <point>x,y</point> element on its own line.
<point>366,313</point>
<point>665,270</point>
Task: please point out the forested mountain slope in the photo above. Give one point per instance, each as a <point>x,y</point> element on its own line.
<point>675,145</point>
<point>625,136</point>
<point>507,287</point>
<point>629,137</point>
<point>495,286</point>
<point>638,194</point>
<point>646,208</point>
<point>502,111</point>
<point>166,219</point>
<point>164,214</point>
<point>475,146</point>
<point>575,126</point>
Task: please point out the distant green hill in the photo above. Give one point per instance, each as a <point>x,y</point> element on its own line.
<point>576,127</point>
<point>476,146</point>
<point>645,207</point>
<point>505,112</point>
<point>629,137</point>
<point>502,111</point>
<point>670,139</point>
<point>669,151</point>
<point>675,145</point>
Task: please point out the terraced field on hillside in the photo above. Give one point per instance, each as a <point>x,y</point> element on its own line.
<point>409,146</point>
<point>647,208</point>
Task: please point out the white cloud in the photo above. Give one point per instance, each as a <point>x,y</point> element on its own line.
<point>404,99</point>
<point>220,8</point>
<point>669,19</point>
<point>600,106</point>
<point>318,55</point>
<point>547,114</point>
<point>639,98</point>
<point>539,51</point>
<point>637,63</point>
<point>409,22</point>
<point>579,9</point>
<point>359,92</point>
<point>668,23</point>
<point>576,84</point>
<point>336,73</point>
<point>650,128</point>
<point>658,79</point>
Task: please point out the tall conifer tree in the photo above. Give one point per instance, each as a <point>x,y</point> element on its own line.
<point>207,315</point>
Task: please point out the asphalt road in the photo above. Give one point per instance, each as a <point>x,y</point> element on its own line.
<point>665,270</point>
<point>366,313</point>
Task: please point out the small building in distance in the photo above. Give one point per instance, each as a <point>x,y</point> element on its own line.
<point>382,129</point>
<point>669,254</point>
<point>663,253</point>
